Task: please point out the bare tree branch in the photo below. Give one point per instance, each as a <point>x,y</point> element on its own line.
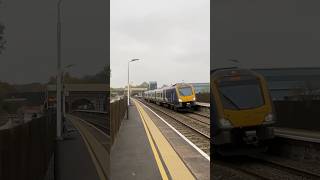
<point>2,40</point>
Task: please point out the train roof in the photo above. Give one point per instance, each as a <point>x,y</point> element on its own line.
<point>227,71</point>
<point>181,84</point>
<point>169,87</point>
<point>221,69</point>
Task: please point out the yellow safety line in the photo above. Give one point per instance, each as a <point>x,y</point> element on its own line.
<point>99,169</point>
<point>154,150</point>
<point>173,162</point>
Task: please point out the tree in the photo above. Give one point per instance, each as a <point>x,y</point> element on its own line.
<point>52,80</point>
<point>2,40</point>
<point>307,93</point>
<point>102,76</point>
<point>5,89</point>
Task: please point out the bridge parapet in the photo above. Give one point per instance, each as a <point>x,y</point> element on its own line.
<point>118,110</point>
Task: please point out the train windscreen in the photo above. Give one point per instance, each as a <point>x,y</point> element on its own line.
<point>238,95</point>
<point>185,91</point>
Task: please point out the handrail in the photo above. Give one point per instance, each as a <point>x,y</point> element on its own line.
<point>91,111</point>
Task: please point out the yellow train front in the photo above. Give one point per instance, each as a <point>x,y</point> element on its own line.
<point>177,97</point>
<point>242,113</point>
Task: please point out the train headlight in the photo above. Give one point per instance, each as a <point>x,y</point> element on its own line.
<point>194,98</point>
<point>180,100</point>
<point>225,123</point>
<point>269,119</point>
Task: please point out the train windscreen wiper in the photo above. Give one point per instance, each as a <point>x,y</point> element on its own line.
<point>230,100</point>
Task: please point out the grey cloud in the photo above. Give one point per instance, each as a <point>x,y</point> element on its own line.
<point>31,34</point>
<point>266,33</point>
<point>172,38</point>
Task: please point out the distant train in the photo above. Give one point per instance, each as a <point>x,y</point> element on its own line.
<point>242,111</point>
<point>178,96</point>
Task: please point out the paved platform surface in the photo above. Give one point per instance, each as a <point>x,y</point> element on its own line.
<point>147,149</point>
<point>131,155</point>
<point>73,158</point>
<point>298,134</point>
<point>197,163</point>
<point>203,104</point>
<point>203,107</point>
<point>5,124</point>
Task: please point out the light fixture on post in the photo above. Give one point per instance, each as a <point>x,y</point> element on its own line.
<point>132,60</point>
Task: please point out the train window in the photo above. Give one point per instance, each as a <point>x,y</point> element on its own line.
<point>241,95</point>
<point>185,91</point>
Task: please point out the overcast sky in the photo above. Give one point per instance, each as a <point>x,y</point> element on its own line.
<point>31,34</point>
<point>269,33</point>
<point>172,38</point>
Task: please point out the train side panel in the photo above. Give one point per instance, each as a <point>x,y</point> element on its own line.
<point>171,96</point>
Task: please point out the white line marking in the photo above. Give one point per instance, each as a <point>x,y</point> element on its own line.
<point>93,154</point>
<point>181,135</point>
<point>89,124</point>
<point>88,111</point>
<point>297,137</point>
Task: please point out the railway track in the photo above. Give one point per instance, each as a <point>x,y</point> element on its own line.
<point>201,114</point>
<point>196,131</point>
<point>197,125</point>
<point>240,171</point>
<point>199,117</point>
<point>99,121</point>
<point>261,168</point>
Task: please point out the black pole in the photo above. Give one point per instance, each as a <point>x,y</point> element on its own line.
<point>128,109</point>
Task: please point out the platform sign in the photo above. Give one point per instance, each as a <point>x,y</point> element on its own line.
<point>51,99</point>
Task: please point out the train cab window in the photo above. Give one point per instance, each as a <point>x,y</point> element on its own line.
<point>241,94</point>
<point>185,91</point>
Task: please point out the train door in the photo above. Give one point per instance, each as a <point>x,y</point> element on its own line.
<point>174,96</point>
<point>167,96</point>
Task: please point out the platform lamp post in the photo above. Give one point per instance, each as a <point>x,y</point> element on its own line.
<point>63,86</point>
<point>132,60</point>
<point>59,79</point>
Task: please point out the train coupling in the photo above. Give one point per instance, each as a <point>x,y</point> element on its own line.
<point>251,137</point>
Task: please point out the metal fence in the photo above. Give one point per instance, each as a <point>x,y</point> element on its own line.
<point>26,149</point>
<point>203,97</point>
<point>298,114</point>
<point>118,110</point>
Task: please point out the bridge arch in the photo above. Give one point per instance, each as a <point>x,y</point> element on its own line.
<point>82,103</point>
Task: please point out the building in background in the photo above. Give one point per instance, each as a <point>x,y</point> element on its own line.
<point>153,85</point>
<point>290,83</point>
<point>201,87</point>
<point>202,91</point>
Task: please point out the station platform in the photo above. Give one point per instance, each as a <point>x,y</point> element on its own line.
<point>78,155</point>
<point>146,148</point>
<point>203,107</point>
<point>5,124</point>
<point>298,134</point>
<point>203,104</point>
